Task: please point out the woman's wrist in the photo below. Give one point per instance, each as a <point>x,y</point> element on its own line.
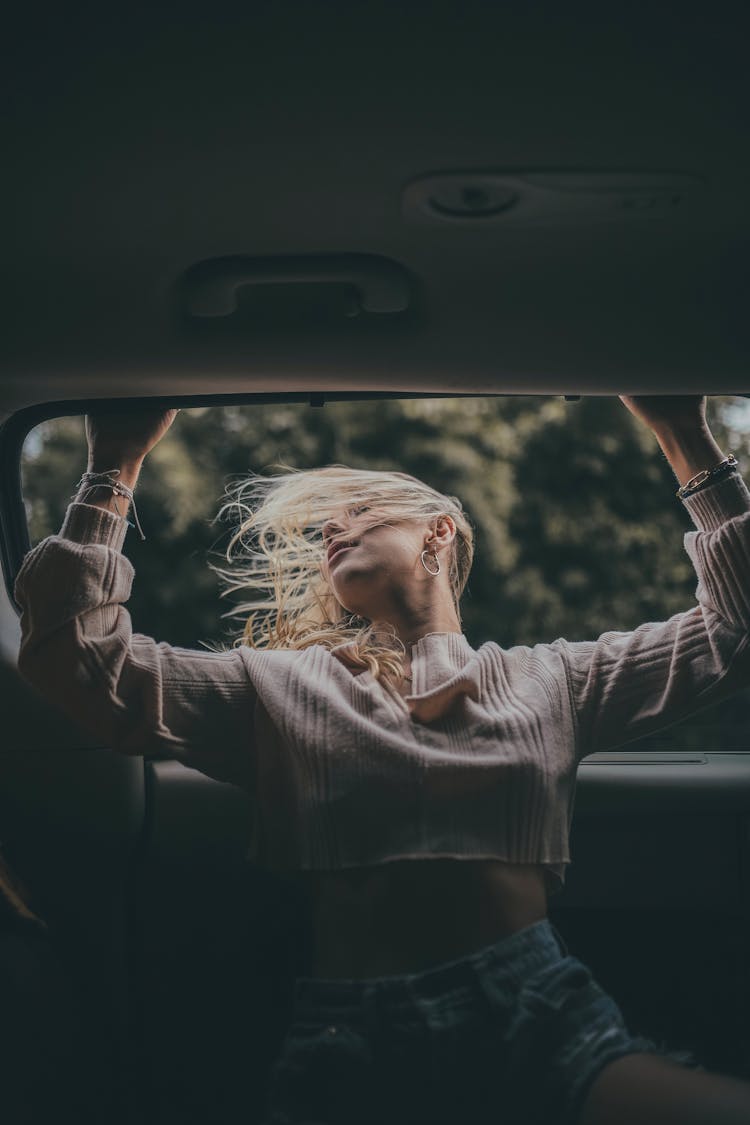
<point>689,449</point>
<point>129,468</point>
<point>101,495</point>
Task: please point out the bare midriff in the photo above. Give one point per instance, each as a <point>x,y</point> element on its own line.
<point>408,915</point>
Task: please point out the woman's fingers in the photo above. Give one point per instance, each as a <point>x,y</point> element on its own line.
<point>660,411</point>
<point>127,434</point>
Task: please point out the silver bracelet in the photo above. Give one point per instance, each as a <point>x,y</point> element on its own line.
<point>702,479</point>
<point>90,481</point>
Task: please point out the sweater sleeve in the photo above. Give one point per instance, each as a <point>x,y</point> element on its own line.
<point>624,686</point>
<point>136,695</point>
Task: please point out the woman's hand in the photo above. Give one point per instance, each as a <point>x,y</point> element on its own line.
<point>679,425</point>
<point>123,439</point>
<point>668,412</point>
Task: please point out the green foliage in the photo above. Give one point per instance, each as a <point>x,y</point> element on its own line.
<point>578,529</point>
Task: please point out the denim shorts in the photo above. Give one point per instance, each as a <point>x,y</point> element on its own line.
<point>514,1033</point>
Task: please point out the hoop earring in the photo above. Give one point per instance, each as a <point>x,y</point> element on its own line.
<point>424,564</point>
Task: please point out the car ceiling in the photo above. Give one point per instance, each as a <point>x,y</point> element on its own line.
<point>153,156</point>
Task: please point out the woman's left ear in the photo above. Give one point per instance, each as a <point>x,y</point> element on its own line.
<point>445,528</point>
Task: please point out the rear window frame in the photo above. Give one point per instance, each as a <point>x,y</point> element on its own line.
<point>15,540</point>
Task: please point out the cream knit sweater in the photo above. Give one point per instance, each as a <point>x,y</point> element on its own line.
<point>480,761</point>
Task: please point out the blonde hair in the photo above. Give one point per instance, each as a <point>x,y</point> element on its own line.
<point>281,520</point>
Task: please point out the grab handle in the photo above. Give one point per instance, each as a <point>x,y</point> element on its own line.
<point>211,287</point>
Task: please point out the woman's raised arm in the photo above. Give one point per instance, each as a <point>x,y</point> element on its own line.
<point>624,686</point>
<point>678,422</point>
<point>78,649</point>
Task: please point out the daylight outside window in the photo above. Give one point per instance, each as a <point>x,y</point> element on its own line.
<point>578,530</point>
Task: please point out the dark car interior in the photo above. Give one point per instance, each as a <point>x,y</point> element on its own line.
<point>321,203</point>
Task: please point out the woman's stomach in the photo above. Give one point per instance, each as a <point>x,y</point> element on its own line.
<point>407,915</point>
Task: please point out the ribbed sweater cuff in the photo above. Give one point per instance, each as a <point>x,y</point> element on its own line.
<point>86,523</point>
<point>713,506</point>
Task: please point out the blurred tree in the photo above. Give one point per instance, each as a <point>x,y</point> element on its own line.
<point>578,530</point>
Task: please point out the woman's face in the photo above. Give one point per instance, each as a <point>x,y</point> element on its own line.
<point>374,570</point>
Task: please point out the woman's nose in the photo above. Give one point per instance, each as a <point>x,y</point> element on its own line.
<point>331,528</point>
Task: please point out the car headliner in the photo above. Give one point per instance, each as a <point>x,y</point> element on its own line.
<point>139,146</point>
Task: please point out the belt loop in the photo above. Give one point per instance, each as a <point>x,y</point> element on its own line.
<point>489,991</point>
<point>560,940</point>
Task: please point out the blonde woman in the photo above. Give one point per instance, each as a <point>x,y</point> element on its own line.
<point>424,787</point>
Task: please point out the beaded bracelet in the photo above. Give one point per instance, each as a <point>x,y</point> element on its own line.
<point>705,477</point>
<point>90,481</point>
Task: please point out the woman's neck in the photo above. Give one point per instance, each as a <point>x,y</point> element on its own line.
<point>411,634</point>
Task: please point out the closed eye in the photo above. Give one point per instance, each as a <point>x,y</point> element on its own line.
<point>350,512</point>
